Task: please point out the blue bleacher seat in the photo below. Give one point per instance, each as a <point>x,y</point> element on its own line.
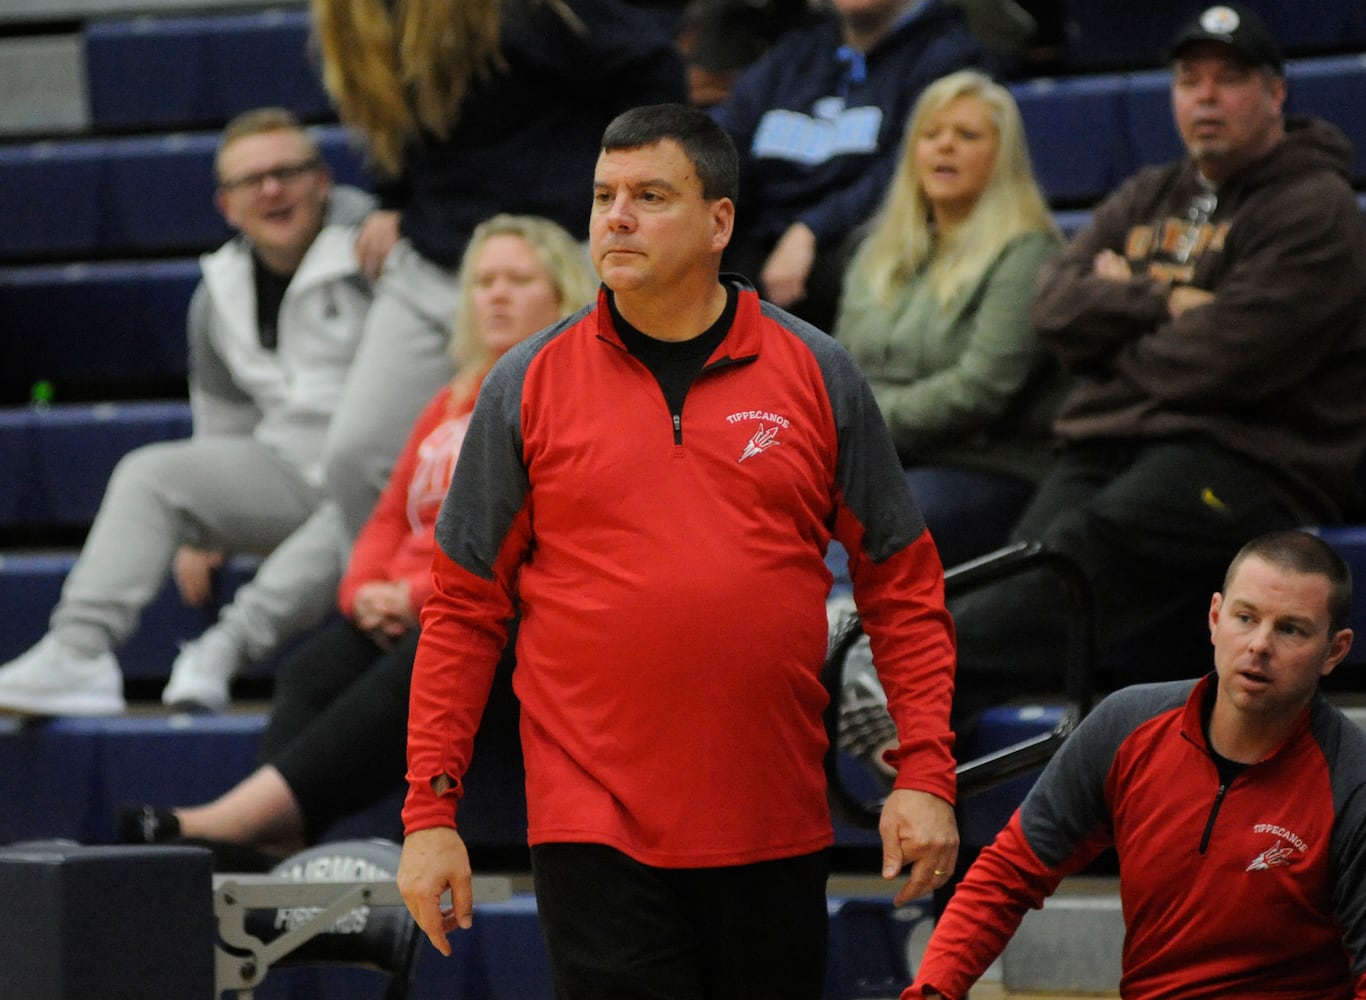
<point>63,455</point>
<point>72,774</point>
<point>50,195</point>
<point>1150,131</point>
<point>982,816</point>
<point>31,582</point>
<point>125,196</point>
<point>106,196</point>
<point>1333,88</point>
<point>97,324</point>
<point>1072,221</point>
<point>1349,540</point>
<point>68,777</point>
<point>180,71</point>
<point>1060,112</point>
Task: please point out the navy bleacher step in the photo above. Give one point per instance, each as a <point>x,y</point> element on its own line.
<point>125,197</point>
<point>1333,88</point>
<point>1075,131</point>
<point>58,459</point>
<point>67,778</point>
<point>30,584</point>
<point>96,325</point>
<point>158,72</point>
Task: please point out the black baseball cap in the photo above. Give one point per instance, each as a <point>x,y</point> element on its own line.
<point>1237,27</point>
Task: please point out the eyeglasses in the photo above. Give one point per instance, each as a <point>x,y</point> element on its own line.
<point>285,174</point>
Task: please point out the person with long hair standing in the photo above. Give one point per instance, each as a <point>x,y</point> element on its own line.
<point>466,108</point>
<point>935,310</point>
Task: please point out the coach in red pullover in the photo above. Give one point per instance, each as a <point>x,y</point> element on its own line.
<point>652,486</point>
<point>1236,805</point>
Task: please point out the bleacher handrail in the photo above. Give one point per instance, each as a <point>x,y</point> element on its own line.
<point>993,769</point>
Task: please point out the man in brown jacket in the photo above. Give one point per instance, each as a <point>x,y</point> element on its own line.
<point>1212,316</point>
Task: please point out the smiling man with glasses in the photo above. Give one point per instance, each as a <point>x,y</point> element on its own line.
<point>285,174</point>
<point>273,329</point>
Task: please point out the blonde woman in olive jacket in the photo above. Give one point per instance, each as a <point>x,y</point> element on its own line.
<point>935,310</point>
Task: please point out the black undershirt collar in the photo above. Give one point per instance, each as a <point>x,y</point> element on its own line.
<point>675,364</point>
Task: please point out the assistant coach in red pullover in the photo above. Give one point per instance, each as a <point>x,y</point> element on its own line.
<point>651,485</point>
<point>1236,805</point>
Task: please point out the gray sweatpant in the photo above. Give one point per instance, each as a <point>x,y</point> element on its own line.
<point>401,363</point>
<point>228,493</point>
<point>294,588</point>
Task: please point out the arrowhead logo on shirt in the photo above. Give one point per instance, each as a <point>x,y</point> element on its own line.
<point>1287,843</point>
<point>770,424</point>
<point>1272,857</point>
<point>763,439</point>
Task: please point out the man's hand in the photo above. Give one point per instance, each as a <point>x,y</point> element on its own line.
<point>193,571</point>
<point>432,862</point>
<point>1183,297</point>
<point>785,272</point>
<point>1111,266</point>
<point>918,829</point>
<point>377,235</point>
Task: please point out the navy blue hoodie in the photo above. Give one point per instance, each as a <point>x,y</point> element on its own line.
<point>527,139</point>
<point>817,145</point>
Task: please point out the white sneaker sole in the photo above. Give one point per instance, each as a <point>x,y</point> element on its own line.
<point>87,703</point>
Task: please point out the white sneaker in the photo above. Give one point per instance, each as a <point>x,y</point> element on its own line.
<point>202,673</point>
<point>52,679</point>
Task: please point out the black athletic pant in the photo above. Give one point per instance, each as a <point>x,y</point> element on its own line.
<point>1153,525</point>
<point>620,930</point>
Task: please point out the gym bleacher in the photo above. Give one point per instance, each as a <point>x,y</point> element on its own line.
<point>109,113</point>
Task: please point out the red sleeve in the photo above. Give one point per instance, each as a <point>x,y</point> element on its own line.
<point>387,527</point>
<point>986,909</point>
<point>464,629</point>
<point>1005,881</point>
<point>901,602</point>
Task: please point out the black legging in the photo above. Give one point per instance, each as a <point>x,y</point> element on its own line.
<point>338,727</point>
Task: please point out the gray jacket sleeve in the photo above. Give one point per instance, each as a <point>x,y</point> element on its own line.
<point>348,206</point>
<point>217,404</point>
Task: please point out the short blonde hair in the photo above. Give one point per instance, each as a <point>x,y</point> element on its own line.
<point>259,121</point>
<point>903,241</point>
<point>563,258</point>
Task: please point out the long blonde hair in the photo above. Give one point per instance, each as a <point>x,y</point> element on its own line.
<point>393,73</point>
<point>562,257</point>
<point>903,241</point>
